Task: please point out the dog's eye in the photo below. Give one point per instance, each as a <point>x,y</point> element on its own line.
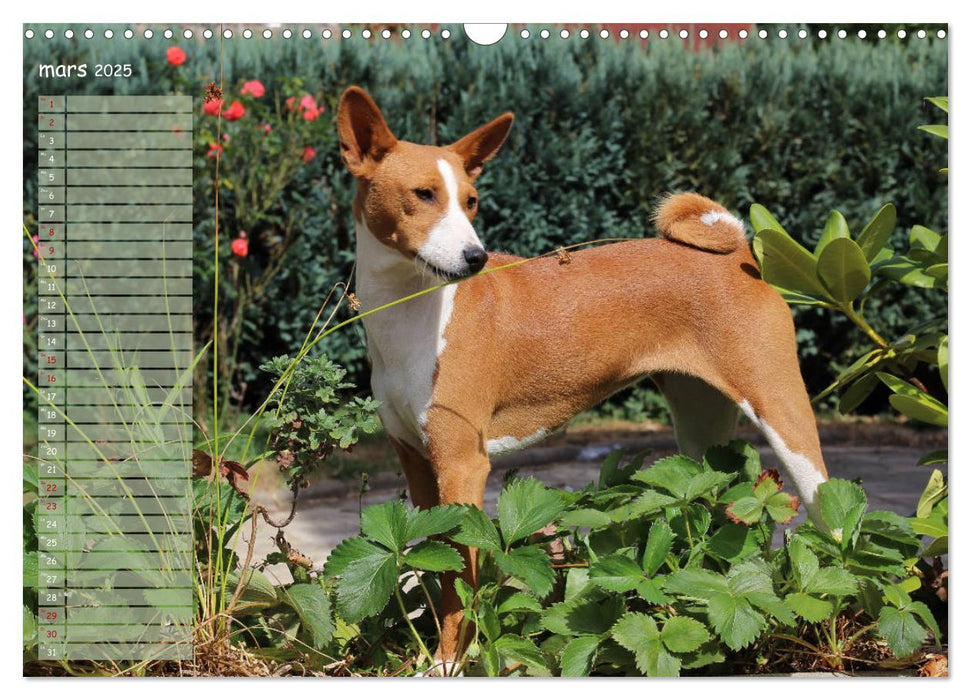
<point>470,203</point>
<point>425,195</point>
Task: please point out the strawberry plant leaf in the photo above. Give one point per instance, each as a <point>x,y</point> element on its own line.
<point>431,555</point>
<point>616,572</point>
<point>366,587</point>
<point>684,634</point>
<point>902,630</point>
<point>659,541</point>
<point>434,521</point>
<point>531,565</point>
<point>809,608</point>
<point>312,605</point>
<point>478,530</point>
<point>522,650</point>
<point>525,506</point>
<point>578,656</point>
<point>735,621</point>
<point>696,583</point>
<point>638,633</point>
<point>386,523</point>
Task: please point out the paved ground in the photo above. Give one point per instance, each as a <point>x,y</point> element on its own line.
<point>328,510</point>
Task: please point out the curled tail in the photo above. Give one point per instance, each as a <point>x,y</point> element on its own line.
<point>699,222</point>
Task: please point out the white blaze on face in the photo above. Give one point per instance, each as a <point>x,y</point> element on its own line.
<point>453,233</point>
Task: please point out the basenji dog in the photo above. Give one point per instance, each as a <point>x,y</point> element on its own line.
<point>498,361</point>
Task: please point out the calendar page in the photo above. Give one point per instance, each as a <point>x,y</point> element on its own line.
<point>485,350</point>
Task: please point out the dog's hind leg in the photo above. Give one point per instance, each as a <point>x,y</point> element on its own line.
<point>702,415</point>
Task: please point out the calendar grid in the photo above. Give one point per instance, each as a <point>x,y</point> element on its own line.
<point>115,351</point>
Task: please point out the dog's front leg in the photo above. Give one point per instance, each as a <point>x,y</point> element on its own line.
<point>461,479</point>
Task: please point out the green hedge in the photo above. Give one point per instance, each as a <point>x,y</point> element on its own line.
<point>602,129</point>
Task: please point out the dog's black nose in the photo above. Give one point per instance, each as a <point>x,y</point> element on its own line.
<point>476,258</point>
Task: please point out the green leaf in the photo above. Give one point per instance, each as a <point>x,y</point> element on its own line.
<point>942,360</point>
<point>747,510</point>
<point>431,555</point>
<point>386,523</point>
<point>702,483</point>
<point>588,613</point>
<point>659,541</point>
<point>735,621</point>
<point>611,473</point>
<point>926,244</point>
<point>876,233</point>
<point>525,506</point>
<point>585,517</point>
<point>857,393</point>
<point>935,129</point>
<point>684,634</point>
<point>932,527</point>
<point>651,590</point>
<point>578,656</point>
<point>478,530</point>
<point>366,582</point>
<point>531,565</point>
<point>696,583</point>
<point>465,593</point>
<point>673,474</point>
<point>925,409</point>
<point>734,542</point>
<point>804,563</point>
<point>842,505</point>
<point>522,650</point>
<point>787,264</point>
<point>617,573</point>
<point>843,269</point>
<point>935,490</point>
<point>831,580</point>
<point>761,219</point>
<point>520,602</point>
<point>312,605</point>
<point>925,615</point>
<point>434,521</point>
<point>939,102</point>
<point>907,271</point>
<point>782,507</point>
<point>347,552</point>
<point>638,633</point>
<point>836,227</point>
<point>809,608</point>
<point>488,620</point>
<point>902,630</point>
<point>258,590</point>
<point>736,458</point>
<point>933,457</point>
<point>29,628</point>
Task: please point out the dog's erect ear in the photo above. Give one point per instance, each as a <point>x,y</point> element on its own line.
<point>482,144</point>
<point>365,137</point>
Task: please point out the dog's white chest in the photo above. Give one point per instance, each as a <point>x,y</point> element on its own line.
<point>404,341</point>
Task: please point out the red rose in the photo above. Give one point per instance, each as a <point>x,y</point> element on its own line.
<point>212,107</point>
<point>292,104</point>
<point>308,154</point>
<point>240,246</point>
<point>266,128</point>
<point>311,114</point>
<point>236,111</point>
<point>308,102</point>
<point>253,88</point>
<point>175,56</point>
<point>214,150</point>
